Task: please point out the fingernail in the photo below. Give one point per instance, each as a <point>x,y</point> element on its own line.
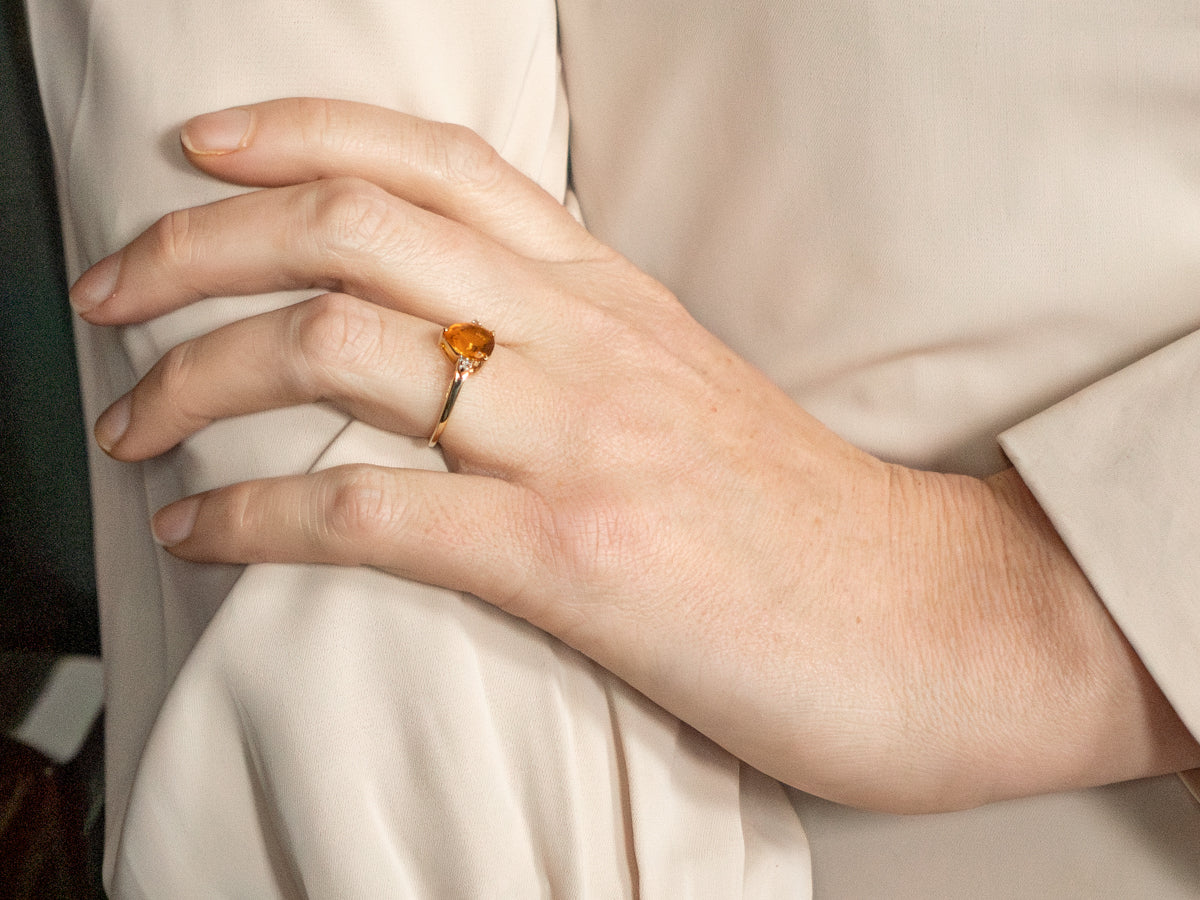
<point>172,524</point>
<point>112,424</point>
<point>216,133</point>
<point>97,284</point>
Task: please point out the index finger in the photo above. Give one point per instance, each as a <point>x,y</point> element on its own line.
<point>445,168</point>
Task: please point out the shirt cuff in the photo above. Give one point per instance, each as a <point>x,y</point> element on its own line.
<point>1116,467</point>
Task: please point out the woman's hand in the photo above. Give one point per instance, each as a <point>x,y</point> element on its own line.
<point>620,478</point>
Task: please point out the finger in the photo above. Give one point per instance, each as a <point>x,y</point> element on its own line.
<point>340,235</point>
<point>445,168</point>
<point>382,367</point>
<point>466,532</point>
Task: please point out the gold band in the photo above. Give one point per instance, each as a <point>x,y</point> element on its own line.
<point>468,345</point>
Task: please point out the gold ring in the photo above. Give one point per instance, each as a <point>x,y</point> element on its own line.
<point>468,345</point>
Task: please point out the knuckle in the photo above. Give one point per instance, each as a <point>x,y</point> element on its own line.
<point>358,506</point>
<point>462,158</point>
<point>175,239</point>
<point>597,540</point>
<point>237,514</point>
<point>350,217</point>
<point>321,124</point>
<point>244,513</point>
<point>335,335</point>
<point>176,384</point>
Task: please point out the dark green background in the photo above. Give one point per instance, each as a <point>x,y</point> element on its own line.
<point>47,585</point>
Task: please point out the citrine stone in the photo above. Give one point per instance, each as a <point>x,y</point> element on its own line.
<point>468,340</point>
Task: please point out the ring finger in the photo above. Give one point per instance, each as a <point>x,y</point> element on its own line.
<point>379,365</point>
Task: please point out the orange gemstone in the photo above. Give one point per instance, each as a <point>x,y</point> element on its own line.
<point>469,340</point>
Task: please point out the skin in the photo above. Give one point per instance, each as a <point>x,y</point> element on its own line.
<point>880,636</point>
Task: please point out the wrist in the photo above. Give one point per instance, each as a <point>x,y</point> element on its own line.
<point>1036,688</point>
<point>1141,734</point>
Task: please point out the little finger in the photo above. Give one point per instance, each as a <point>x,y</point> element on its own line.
<point>465,532</point>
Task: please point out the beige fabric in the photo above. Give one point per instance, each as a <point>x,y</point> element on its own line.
<point>296,731</point>
<point>1122,505</point>
<point>929,221</point>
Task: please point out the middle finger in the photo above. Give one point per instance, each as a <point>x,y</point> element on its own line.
<point>342,234</point>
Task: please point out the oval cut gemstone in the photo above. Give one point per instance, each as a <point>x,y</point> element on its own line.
<point>469,340</point>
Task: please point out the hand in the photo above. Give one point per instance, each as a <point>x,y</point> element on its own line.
<point>621,479</point>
